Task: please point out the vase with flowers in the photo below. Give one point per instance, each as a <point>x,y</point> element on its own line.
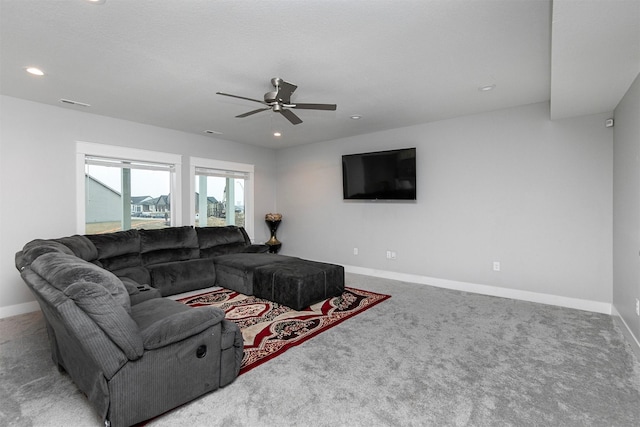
<point>273,221</point>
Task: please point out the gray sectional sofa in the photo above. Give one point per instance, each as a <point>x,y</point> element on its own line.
<point>135,354</point>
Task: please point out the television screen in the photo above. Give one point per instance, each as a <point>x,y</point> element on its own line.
<point>382,175</point>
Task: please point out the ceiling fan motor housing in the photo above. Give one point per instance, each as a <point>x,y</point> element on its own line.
<point>271,97</point>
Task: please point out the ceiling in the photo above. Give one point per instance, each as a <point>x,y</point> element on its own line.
<point>393,62</point>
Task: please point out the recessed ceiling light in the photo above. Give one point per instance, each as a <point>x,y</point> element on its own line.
<point>356,117</point>
<point>35,71</point>
<point>486,88</point>
<point>96,1</point>
<point>277,134</point>
<point>212,132</point>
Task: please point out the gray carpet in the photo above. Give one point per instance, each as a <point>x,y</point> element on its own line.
<point>425,357</point>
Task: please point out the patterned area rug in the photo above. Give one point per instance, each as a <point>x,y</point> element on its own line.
<point>269,329</point>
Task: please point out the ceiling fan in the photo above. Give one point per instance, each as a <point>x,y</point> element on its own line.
<point>279,101</point>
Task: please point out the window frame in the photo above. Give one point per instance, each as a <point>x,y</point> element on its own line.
<point>201,162</point>
<point>84,149</point>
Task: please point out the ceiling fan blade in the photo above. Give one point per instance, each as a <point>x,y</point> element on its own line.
<point>331,107</point>
<point>240,97</point>
<point>253,112</point>
<point>290,115</point>
<point>285,89</point>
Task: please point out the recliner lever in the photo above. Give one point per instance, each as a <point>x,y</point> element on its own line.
<point>201,351</point>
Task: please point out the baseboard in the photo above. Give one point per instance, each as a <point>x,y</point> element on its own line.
<point>626,331</point>
<point>579,304</point>
<point>15,310</point>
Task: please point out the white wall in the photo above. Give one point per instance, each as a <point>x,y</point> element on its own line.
<point>626,208</point>
<point>509,186</point>
<point>37,175</point>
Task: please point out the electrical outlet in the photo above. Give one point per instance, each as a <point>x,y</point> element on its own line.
<point>355,251</point>
<point>637,307</point>
<point>388,254</point>
<point>496,265</point>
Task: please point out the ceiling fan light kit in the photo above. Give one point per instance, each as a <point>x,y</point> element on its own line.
<point>279,101</point>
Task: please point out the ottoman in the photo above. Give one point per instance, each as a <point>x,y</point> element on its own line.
<point>235,271</point>
<point>298,283</point>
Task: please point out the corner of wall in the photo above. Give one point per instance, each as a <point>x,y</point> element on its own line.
<point>626,331</point>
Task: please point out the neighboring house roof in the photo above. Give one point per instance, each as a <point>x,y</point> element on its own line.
<point>97,181</point>
<point>164,200</point>
<point>136,200</point>
<point>210,199</point>
<point>150,202</point>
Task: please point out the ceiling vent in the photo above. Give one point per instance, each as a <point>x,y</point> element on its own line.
<point>69,101</point>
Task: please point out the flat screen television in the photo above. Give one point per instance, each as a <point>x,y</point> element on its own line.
<point>381,175</point>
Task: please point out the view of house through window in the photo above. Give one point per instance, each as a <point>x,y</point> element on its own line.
<point>122,188</point>
<point>121,195</point>
<point>220,197</point>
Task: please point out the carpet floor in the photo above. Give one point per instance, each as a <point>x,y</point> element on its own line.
<point>425,357</point>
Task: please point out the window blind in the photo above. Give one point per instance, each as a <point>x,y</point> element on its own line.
<point>222,173</point>
<point>128,164</point>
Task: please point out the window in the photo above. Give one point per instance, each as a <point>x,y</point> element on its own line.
<point>223,193</point>
<point>121,188</point>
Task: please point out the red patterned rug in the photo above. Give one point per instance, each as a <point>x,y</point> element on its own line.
<point>269,329</point>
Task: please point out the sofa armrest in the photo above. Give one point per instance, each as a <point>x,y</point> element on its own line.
<point>137,292</point>
<point>109,315</point>
<point>256,249</point>
<point>163,321</point>
<point>130,285</point>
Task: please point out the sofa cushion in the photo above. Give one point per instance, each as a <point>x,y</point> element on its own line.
<point>62,270</point>
<point>116,244</point>
<point>119,262</point>
<point>81,246</point>
<point>220,240</point>
<point>164,321</point>
<point>117,251</point>
<point>110,316</point>
<point>139,274</point>
<point>168,245</point>
<point>231,239</point>
<point>32,250</point>
<point>181,276</point>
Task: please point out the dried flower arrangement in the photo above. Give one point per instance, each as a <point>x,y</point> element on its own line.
<point>273,217</point>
